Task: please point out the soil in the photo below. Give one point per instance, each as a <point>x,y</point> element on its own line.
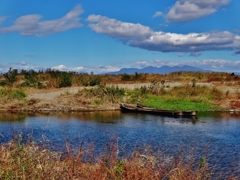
<point>67,99</point>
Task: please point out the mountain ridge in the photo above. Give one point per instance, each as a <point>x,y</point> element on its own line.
<point>158,70</point>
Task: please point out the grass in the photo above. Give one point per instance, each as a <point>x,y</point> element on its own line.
<point>182,97</point>
<point>176,103</point>
<point>29,161</point>
<point>104,94</point>
<point>12,94</point>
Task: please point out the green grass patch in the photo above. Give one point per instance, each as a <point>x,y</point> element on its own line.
<point>174,103</point>
<point>18,94</point>
<point>12,94</point>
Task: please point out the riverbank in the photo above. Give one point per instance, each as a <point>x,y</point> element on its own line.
<point>81,99</point>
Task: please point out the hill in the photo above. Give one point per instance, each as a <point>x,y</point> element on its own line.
<point>158,70</point>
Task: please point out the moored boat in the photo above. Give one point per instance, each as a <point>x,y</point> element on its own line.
<point>162,112</point>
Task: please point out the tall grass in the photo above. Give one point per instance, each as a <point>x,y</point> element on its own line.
<point>105,94</point>
<point>29,161</point>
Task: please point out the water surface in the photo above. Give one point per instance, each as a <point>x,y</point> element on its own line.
<point>215,135</point>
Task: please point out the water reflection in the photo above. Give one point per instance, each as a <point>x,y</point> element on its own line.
<point>220,115</point>
<point>12,117</point>
<point>113,117</point>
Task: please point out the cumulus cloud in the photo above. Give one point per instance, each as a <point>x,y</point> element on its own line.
<point>216,64</point>
<point>64,68</point>
<point>207,64</point>
<point>187,10</point>
<point>118,29</point>
<point>87,69</point>
<point>140,36</point>
<point>31,25</point>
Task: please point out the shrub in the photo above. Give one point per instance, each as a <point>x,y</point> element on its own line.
<point>94,81</point>
<point>10,76</point>
<point>63,79</point>
<point>126,77</point>
<point>30,78</point>
<point>137,76</point>
<point>2,83</point>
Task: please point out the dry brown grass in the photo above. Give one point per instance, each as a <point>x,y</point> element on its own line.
<point>30,161</point>
<point>79,79</point>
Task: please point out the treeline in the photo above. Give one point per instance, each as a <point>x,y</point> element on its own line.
<point>50,78</point>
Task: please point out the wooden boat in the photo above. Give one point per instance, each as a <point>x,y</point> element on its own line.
<point>148,110</point>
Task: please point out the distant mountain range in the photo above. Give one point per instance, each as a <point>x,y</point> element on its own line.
<point>158,70</point>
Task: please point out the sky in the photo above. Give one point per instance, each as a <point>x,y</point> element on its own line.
<point>102,36</point>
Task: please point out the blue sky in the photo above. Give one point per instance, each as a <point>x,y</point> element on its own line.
<point>105,35</point>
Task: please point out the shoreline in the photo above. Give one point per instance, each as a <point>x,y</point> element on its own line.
<point>94,109</point>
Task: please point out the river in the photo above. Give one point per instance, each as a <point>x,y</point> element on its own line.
<point>212,135</point>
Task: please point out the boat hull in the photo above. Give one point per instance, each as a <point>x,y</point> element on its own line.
<point>147,110</point>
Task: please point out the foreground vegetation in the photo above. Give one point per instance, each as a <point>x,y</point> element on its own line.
<point>29,161</point>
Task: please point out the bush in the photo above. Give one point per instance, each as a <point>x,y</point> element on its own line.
<point>2,83</point>
<point>94,81</point>
<point>63,79</point>
<point>126,77</point>
<point>10,76</point>
<point>30,78</point>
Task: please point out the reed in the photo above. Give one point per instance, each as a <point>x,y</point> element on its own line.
<point>30,161</point>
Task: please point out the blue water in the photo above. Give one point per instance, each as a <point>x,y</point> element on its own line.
<point>216,136</point>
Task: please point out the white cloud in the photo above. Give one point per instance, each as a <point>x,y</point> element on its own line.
<point>157,14</point>
<point>99,69</point>
<point>187,10</point>
<point>94,69</point>
<point>30,25</point>
<point>208,64</point>
<point>64,68</point>
<point>118,29</point>
<point>140,36</point>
